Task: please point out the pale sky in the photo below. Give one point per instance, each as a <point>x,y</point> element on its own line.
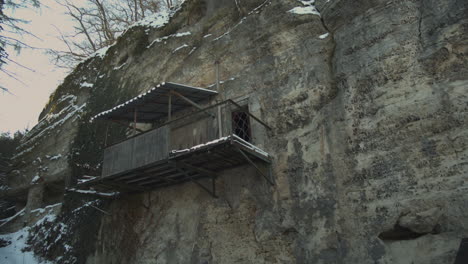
<point>22,109</point>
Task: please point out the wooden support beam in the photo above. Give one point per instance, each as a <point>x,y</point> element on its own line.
<point>123,124</point>
<point>255,166</point>
<point>135,173</point>
<point>211,192</point>
<point>253,153</point>
<point>152,112</point>
<point>100,210</point>
<point>220,123</point>
<point>197,169</point>
<point>173,104</point>
<point>219,155</point>
<point>167,179</point>
<point>150,176</point>
<point>123,186</point>
<point>191,102</point>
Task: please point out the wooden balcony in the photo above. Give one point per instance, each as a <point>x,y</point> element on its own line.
<point>196,145</point>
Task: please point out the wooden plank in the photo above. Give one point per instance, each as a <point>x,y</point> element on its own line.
<point>117,158</point>
<point>144,170</point>
<point>162,178</point>
<point>149,176</point>
<point>229,157</point>
<point>125,187</point>
<point>150,147</point>
<point>195,168</point>
<point>136,152</point>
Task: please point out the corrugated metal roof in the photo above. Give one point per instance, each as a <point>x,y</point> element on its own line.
<point>153,104</point>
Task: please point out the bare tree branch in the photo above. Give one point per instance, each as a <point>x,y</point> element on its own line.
<point>98,22</point>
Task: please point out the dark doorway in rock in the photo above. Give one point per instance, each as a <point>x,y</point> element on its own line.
<point>241,124</point>
<point>399,233</point>
<point>462,255</point>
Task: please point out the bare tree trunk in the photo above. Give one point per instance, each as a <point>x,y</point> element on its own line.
<point>142,8</point>
<point>105,23</point>
<point>135,7</point>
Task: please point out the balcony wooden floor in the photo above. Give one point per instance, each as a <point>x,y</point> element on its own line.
<point>182,166</point>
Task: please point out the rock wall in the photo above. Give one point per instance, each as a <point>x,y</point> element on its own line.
<point>368,105</point>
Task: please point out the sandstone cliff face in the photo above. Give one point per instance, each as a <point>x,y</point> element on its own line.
<point>368,104</point>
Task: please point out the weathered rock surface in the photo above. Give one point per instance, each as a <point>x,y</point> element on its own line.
<point>369,133</point>
<point>422,222</point>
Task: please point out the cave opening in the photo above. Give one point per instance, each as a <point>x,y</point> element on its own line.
<point>399,233</point>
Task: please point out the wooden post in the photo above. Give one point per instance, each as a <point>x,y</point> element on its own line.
<point>169,118</point>
<point>105,138</point>
<point>169,110</point>
<point>217,76</point>
<point>220,127</point>
<point>134,121</point>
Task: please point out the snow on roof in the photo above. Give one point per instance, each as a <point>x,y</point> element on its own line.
<point>148,97</point>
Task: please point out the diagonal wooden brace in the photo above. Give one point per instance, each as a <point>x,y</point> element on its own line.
<point>178,166</point>
<point>191,102</point>
<point>270,181</point>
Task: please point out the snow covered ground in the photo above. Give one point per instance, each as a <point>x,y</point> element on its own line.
<point>14,250</point>
<point>13,253</point>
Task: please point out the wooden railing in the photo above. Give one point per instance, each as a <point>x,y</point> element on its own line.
<point>136,151</point>
<point>185,131</point>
